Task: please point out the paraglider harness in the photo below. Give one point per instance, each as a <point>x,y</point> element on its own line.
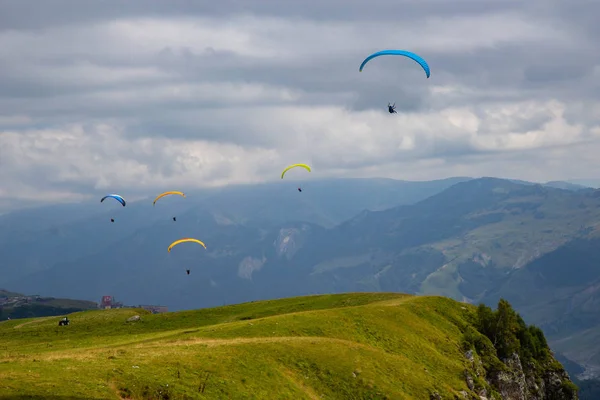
<point>64,321</point>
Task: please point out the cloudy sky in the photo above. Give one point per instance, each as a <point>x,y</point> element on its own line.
<point>139,96</point>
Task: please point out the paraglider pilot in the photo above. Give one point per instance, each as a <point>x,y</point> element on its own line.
<point>174,219</point>
<point>299,189</point>
<point>392,108</point>
<point>188,271</point>
<point>112,220</point>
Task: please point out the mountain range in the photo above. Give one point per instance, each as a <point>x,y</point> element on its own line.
<point>474,240</point>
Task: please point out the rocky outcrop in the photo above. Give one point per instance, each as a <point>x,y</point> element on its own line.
<point>135,318</point>
<point>435,396</point>
<point>530,382</point>
<point>249,265</point>
<point>511,382</point>
<point>509,360</point>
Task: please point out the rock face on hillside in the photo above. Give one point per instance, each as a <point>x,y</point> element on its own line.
<point>509,360</point>
<point>518,382</point>
<point>531,382</point>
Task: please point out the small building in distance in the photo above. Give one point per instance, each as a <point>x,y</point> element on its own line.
<point>155,309</point>
<point>109,302</point>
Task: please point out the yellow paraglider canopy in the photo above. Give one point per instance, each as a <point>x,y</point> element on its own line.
<point>166,194</point>
<point>306,167</point>
<point>175,243</point>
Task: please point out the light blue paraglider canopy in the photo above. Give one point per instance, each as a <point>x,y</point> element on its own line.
<point>117,197</point>
<point>405,53</point>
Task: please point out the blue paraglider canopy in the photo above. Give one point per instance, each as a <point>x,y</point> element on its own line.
<point>405,53</point>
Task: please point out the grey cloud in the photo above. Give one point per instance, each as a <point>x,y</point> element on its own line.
<point>35,15</point>
<point>545,73</point>
<point>576,15</point>
<point>514,122</point>
<point>510,64</point>
<point>515,64</point>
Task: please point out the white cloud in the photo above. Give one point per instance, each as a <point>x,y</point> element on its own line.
<point>329,138</point>
<point>102,157</point>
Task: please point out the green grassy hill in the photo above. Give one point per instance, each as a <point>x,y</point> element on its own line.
<point>347,346</point>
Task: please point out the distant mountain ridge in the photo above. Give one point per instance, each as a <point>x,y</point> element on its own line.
<point>16,305</point>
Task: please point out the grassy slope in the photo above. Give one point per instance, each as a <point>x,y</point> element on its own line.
<point>532,226</point>
<point>361,345</point>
